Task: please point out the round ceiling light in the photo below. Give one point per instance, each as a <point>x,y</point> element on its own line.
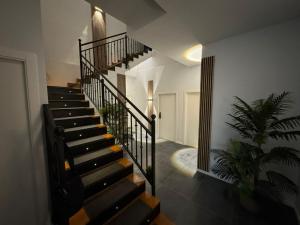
<point>194,53</point>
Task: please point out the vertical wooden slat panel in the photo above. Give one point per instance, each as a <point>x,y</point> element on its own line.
<point>150,98</point>
<point>206,88</point>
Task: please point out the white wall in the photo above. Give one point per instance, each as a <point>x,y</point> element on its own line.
<point>20,23</point>
<point>64,22</point>
<point>114,26</point>
<point>252,66</point>
<point>168,77</point>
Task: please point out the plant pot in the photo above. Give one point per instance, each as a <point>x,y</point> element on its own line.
<point>250,204</point>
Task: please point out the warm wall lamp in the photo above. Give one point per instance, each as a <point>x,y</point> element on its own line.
<point>98,9</point>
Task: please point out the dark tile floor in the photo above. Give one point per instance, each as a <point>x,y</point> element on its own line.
<point>200,200</point>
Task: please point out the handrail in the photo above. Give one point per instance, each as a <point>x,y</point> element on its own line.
<point>90,42</point>
<point>132,129</point>
<point>116,89</point>
<point>147,129</point>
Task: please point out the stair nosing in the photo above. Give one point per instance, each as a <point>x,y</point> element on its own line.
<point>76,117</point>
<point>71,144</point>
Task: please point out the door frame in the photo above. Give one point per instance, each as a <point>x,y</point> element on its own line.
<point>33,105</point>
<point>158,94</point>
<point>185,113</point>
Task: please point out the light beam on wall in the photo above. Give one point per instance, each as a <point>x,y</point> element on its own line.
<point>98,9</point>
<point>194,53</point>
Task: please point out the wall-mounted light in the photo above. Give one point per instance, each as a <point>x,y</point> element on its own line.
<point>98,9</point>
<point>149,99</point>
<point>194,53</point>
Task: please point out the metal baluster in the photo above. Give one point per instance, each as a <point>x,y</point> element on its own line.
<point>115,115</point>
<point>131,136</point>
<point>136,138</point>
<point>119,123</point>
<point>146,149</point>
<point>141,145</point>
<point>153,153</point>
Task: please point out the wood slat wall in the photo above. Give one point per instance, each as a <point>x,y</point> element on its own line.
<point>206,89</point>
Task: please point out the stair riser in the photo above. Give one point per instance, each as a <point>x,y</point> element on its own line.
<point>63,90</point>
<point>68,123</point>
<point>58,96</point>
<point>92,146</point>
<point>72,112</point>
<point>77,135</point>
<point>107,214</point>
<point>68,104</point>
<point>104,183</point>
<point>155,212</point>
<point>98,162</point>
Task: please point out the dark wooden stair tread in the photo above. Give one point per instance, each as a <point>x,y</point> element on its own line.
<point>141,211</point>
<point>84,127</point>
<point>71,112</point>
<point>81,132</point>
<point>58,89</point>
<point>162,219</point>
<point>89,140</point>
<point>96,154</point>
<point>103,205</point>
<point>77,121</point>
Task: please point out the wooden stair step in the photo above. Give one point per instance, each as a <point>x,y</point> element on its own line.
<point>162,219</point>
<point>76,133</point>
<point>63,96</point>
<point>102,206</point>
<point>90,144</point>
<point>142,210</point>
<point>69,112</point>
<point>101,178</point>
<point>67,104</point>
<point>68,122</point>
<point>63,90</point>
<point>95,159</point>
<point>74,85</point>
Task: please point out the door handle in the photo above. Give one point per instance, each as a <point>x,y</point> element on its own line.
<point>159,115</point>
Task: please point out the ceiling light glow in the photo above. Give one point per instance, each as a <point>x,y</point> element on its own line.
<point>194,53</point>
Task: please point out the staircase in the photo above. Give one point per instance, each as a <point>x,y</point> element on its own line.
<point>91,180</point>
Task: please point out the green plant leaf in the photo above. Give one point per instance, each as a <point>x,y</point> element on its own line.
<point>284,155</point>
<point>282,183</point>
<point>240,130</point>
<point>286,123</point>
<point>287,135</point>
<point>224,172</point>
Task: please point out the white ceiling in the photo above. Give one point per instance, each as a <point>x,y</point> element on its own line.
<point>173,26</point>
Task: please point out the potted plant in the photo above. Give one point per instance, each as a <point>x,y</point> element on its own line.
<point>244,161</point>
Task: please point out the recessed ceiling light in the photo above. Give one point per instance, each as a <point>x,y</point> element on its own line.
<point>194,53</point>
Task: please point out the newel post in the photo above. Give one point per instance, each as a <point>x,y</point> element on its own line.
<point>153,152</point>
<point>81,70</point>
<point>126,51</point>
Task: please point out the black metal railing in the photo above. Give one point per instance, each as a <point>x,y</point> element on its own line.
<point>110,51</point>
<point>131,127</point>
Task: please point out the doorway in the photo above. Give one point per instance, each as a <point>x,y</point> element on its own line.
<point>191,129</point>
<point>167,116</point>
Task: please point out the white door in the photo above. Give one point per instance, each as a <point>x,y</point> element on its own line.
<point>18,190</point>
<point>167,116</point>
<point>192,118</point>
